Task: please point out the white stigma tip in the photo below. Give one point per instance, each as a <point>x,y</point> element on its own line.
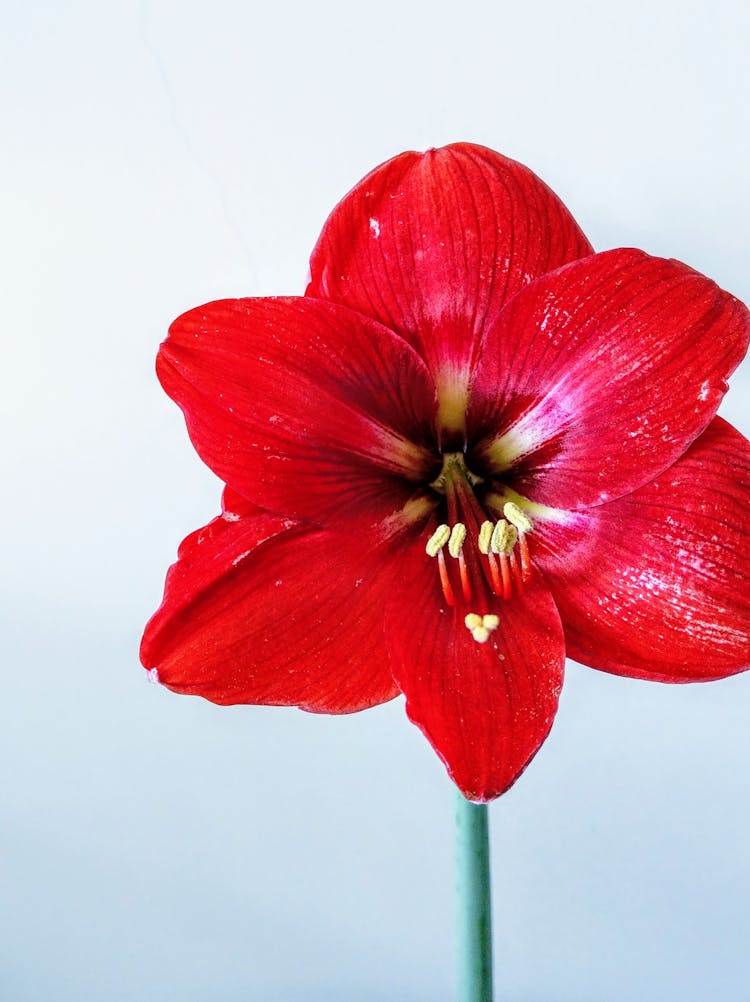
<point>516,516</point>
<point>437,540</point>
<point>152,676</point>
<point>457,537</point>
<point>480,627</point>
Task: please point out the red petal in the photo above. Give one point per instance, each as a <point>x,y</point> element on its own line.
<point>432,244</point>
<point>257,610</point>
<point>302,406</point>
<point>657,584</point>
<point>485,708</point>
<point>597,377</point>
<point>234,506</point>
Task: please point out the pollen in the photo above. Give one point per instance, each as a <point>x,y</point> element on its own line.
<point>517,517</point>
<point>456,540</point>
<point>480,627</point>
<point>505,566</point>
<point>485,537</point>
<point>437,540</point>
<point>504,537</point>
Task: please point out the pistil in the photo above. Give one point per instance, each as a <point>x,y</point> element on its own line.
<point>481,627</point>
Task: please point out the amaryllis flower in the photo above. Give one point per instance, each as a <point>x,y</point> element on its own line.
<point>472,447</point>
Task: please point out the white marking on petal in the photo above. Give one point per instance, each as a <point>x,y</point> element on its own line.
<point>524,437</point>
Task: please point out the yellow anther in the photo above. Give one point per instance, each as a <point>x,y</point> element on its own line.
<point>485,537</point>
<point>480,627</point>
<point>504,537</point>
<point>457,537</point>
<point>517,516</point>
<point>437,540</point>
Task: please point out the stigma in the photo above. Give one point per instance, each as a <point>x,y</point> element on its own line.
<point>480,627</point>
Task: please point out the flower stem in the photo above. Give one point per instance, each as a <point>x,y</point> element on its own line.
<point>473,902</point>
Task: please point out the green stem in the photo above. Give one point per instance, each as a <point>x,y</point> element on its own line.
<point>473,902</point>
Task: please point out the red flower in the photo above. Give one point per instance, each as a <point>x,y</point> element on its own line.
<point>472,446</point>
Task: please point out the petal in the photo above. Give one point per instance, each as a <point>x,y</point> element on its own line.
<point>656,585</point>
<point>301,406</point>
<point>432,244</point>
<point>258,610</point>
<point>597,377</point>
<point>234,506</point>
<point>485,707</point>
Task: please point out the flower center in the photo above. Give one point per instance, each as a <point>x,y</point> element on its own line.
<point>486,557</point>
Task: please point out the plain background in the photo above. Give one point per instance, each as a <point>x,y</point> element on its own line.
<point>156,156</point>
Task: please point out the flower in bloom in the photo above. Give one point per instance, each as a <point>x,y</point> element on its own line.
<point>473,446</point>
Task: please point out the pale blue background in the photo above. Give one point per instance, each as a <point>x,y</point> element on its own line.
<point>159,155</point>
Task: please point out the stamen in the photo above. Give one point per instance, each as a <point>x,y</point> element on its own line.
<point>523,548</point>
<point>437,540</point>
<point>505,571</point>
<point>504,537</point>
<point>517,516</point>
<point>435,548</point>
<point>485,537</point>
<point>466,522</point>
<point>445,581</point>
<point>465,583</point>
<point>516,569</point>
<point>497,584</point>
<point>457,537</point>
